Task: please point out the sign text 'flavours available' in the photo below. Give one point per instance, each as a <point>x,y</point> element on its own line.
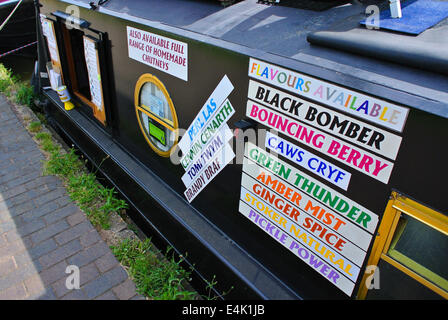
<point>347,128</point>
<point>352,156</point>
<point>162,53</point>
<point>369,108</point>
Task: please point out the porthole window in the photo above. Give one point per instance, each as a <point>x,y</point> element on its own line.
<point>156,114</point>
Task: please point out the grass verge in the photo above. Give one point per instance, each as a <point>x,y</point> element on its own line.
<point>15,89</point>
<point>156,277</point>
<point>160,280</point>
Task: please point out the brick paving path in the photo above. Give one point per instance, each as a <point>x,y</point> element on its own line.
<point>42,232</point>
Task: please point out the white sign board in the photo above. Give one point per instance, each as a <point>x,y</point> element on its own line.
<point>326,230</point>
<point>368,108</point>
<point>162,53</point>
<point>360,133</point>
<point>308,160</point>
<point>92,63</point>
<point>355,157</point>
<point>204,145</point>
<point>207,112</point>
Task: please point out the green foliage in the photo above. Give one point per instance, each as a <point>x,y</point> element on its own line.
<point>97,201</point>
<point>13,87</point>
<point>43,136</point>
<point>35,126</point>
<point>46,143</point>
<point>209,290</point>
<point>6,79</point>
<point>25,95</point>
<point>64,165</point>
<point>154,277</point>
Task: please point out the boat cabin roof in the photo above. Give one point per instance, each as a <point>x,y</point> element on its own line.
<point>331,44</point>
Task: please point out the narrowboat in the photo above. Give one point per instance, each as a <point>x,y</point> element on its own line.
<point>289,151</point>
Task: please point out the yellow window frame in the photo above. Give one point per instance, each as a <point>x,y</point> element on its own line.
<point>398,205</point>
<point>170,125</point>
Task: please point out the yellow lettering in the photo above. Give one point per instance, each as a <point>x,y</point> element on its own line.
<point>303,237</point>
<point>383,114</point>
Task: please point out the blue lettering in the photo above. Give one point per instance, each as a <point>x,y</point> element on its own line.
<point>300,82</point>
<point>321,168</point>
<point>265,73</point>
<point>191,132</point>
<point>280,146</point>
<point>270,143</point>
<point>331,171</point>
<point>290,151</point>
<point>300,156</point>
<point>364,106</point>
<point>309,163</point>
<point>339,176</point>
<point>340,98</point>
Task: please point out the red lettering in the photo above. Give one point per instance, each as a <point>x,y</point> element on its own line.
<point>329,237</point>
<point>334,148</point>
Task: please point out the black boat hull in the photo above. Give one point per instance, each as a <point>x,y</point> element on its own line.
<point>20,30</point>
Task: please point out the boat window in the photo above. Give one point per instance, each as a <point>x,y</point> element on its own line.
<point>79,63</point>
<point>412,240</point>
<point>78,57</point>
<point>422,249</point>
<point>156,114</point>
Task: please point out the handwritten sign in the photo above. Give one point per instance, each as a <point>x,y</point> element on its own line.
<point>49,33</point>
<point>93,71</point>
